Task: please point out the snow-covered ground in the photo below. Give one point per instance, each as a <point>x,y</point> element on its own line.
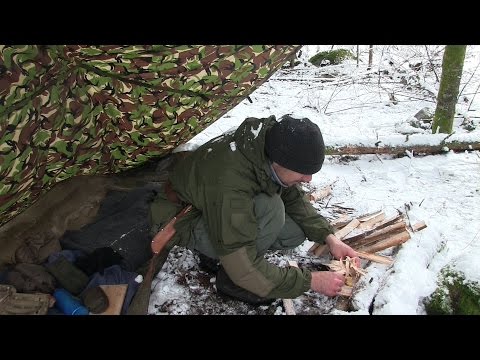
<point>355,106</point>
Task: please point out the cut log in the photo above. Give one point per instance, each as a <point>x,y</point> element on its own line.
<point>387,243</point>
<point>401,150</point>
<point>419,226</point>
<point>375,258</point>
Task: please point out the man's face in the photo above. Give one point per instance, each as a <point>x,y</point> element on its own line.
<point>289,177</point>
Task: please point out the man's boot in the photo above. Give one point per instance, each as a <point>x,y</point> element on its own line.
<point>208,264</point>
<point>227,287</point>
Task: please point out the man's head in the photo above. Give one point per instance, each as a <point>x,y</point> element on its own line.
<point>296,145</point>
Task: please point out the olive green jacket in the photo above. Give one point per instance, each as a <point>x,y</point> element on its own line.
<point>221,179</point>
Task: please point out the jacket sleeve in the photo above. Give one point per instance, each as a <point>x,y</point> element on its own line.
<point>314,225</point>
<point>233,229</point>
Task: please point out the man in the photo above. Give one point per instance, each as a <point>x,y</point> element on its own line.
<point>243,186</point>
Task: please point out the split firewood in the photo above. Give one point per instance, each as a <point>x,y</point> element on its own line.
<point>394,240</point>
<point>346,291</point>
<point>352,273</point>
<point>382,225</point>
<point>346,267</point>
<point>375,258</point>
<point>369,215</point>
<point>320,194</point>
<point>377,236</point>
<point>288,303</point>
<point>340,234</point>
<point>419,226</point>
<point>368,224</point>
<point>313,248</point>
<point>341,221</point>
<point>344,208</point>
<point>337,224</point>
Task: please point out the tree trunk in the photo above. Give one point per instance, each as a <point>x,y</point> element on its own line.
<point>370,57</point>
<point>452,67</point>
<point>358,54</point>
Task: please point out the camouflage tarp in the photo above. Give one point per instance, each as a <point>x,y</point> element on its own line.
<point>74,110</point>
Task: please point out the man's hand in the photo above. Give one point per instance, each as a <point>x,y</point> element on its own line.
<point>327,282</point>
<point>339,249</point>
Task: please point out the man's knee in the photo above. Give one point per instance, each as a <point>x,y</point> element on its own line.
<point>269,210</point>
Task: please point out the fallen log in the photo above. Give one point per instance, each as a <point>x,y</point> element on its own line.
<point>401,150</point>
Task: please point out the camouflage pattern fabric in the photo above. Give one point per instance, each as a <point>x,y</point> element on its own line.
<point>71,110</point>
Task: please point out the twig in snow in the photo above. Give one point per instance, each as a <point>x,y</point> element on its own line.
<point>444,140</point>
<point>431,63</point>
<point>378,157</point>
<point>471,102</point>
<point>468,81</point>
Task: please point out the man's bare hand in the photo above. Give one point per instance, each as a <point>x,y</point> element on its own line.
<point>339,249</point>
<point>327,282</point>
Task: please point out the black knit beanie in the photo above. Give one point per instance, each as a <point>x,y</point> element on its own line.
<point>296,144</point>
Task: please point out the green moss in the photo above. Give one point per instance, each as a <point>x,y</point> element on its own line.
<point>454,295</point>
<point>334,57</point>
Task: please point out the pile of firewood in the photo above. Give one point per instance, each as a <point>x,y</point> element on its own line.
<point>367,235</point>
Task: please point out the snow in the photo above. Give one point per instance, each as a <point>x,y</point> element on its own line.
<point>351,108</point>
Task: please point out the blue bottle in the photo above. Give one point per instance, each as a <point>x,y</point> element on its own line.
<point>67,304</point>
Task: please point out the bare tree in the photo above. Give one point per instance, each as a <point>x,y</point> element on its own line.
<point>452,67</point>
<point>358,54</point>
<point>370,56</point>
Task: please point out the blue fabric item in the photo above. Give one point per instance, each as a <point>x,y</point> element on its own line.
<point>115,275</point>
<point>70,255</point>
